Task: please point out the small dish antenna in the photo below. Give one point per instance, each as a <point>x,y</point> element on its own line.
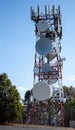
<point>42,26</point>
<point>46,68</point>
<point>52,54</point>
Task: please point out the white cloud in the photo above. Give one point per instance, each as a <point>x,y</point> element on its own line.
<point>22,88</point>
<point>72,78</point>
<point>22,91</point>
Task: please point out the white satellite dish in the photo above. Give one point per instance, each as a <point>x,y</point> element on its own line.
<point>41,91</point>
<point>42,26</point>
<point>51,55</point>
<point>46,68</point>
<point>43,46</point>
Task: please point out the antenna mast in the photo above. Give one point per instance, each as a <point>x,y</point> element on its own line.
<point>48,63</point>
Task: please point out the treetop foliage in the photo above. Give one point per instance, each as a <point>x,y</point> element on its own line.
<point>10,106</point>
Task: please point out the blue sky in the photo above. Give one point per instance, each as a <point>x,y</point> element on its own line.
<point>17,40</point>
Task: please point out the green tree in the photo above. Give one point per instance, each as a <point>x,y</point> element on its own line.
<point>69,111</point>
<point>27,97</point>
<point>69,93</point>
<point>10,106</point>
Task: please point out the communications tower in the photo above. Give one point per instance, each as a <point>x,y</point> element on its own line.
<point>48,62</point>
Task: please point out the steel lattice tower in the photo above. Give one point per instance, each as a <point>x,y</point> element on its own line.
<point>48,66</point>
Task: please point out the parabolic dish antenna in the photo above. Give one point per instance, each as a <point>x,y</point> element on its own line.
<point>41,91</point>
<point>46,68</point>
<point>43,46</point>
<point>51,55</point>
<point>42,26</point>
